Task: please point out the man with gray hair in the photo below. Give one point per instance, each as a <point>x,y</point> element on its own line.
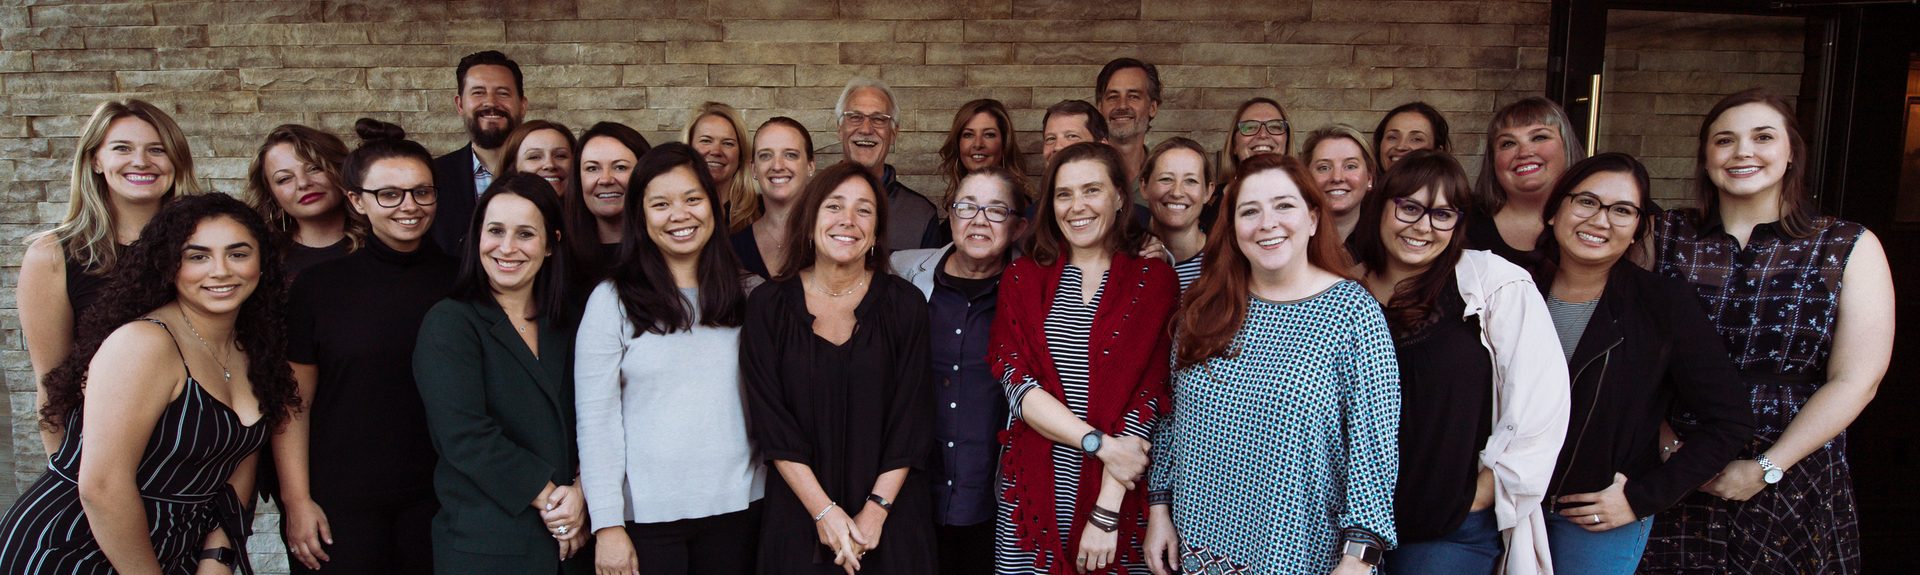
<point>868,119</point>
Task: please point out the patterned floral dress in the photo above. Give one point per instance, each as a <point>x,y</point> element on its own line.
<point>1775,301</point>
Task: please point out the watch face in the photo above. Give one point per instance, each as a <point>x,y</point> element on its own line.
<point>1090,442</point>
<point>1772,476</point>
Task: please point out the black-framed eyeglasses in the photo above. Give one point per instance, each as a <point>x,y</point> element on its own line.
<point>857,119</point>
<point>1409,211</point>
<point>1584,205</point>
<point>393,197</point>
<point>1274,127</point>
<point>967,210</point>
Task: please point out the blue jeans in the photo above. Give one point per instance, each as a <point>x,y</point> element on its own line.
<point>1472,549</point>
<point>1577,551</point>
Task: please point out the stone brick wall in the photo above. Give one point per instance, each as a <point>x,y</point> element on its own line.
<point>229,71</point>
<point>1665,70</point>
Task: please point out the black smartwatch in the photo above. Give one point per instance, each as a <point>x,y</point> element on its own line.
<point>1367,554</point>
<point>1090,443</point>
<point>881,501</point>
<point>225,555</point>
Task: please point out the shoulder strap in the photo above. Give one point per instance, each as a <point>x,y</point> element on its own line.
<point>176,344</point>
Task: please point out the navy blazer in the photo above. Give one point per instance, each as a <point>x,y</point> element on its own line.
<point>502,422</point>
<point>453,177</point>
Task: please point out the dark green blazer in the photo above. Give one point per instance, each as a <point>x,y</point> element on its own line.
<point>502,422</point>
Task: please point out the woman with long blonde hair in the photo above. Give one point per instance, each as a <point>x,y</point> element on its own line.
<point>718,133</point>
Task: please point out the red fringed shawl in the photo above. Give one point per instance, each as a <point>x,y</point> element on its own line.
<point>1127,381</point>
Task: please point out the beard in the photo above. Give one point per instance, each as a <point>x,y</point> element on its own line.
<point>1133,128</point>
<point>486,138</point>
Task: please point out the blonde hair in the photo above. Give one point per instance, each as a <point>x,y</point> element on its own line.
<point>85,234</point>
<point>1335,132</point>
<point>312,146</point>
<point>742,197</point>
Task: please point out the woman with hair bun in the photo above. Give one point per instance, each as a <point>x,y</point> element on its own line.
<point>356,468</point>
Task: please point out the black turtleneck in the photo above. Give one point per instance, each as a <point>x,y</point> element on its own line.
<point>356,318</point>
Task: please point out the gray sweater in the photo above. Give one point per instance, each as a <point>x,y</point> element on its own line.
<point>662,419</point>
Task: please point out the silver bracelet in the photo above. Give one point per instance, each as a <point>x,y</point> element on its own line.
<point>824,510</point>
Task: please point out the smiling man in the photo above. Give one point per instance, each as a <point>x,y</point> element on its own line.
<point>867,119</point>
<point>1128,93</point>
<point>491,104</point>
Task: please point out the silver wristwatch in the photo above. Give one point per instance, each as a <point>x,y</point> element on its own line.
<point>1773,473</point>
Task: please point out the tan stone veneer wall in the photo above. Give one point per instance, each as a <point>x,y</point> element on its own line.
<point>229,71</point>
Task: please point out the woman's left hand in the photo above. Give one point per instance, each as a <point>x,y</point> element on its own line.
<point>1740,481</point>
<point>565,516</point>
<point>870,521</point>
<point>1097,549</point>
<point>1154,248</point>
<point>1605,509</point>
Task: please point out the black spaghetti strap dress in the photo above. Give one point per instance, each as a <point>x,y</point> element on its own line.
<point>183,486</point>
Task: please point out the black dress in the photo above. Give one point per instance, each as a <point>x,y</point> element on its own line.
<point>85,284</point>
<point>747,249</point>
<point>850,411</point>
<point>183,475</point>
<point>370,460</point>
<point>1483,234</point>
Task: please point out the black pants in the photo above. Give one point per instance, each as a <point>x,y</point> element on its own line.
<point>391,539</point>
<point>965,549</point>
<point>725,544</point>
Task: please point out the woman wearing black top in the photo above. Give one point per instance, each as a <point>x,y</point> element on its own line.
<point>1529,144</point>
<point>356,469</point>
<point>835,360</point>
<point>1639,347</point>
<point>294,183</point>
<point>598,204</point>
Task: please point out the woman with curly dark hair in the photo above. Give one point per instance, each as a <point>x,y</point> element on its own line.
<point>191,381</point>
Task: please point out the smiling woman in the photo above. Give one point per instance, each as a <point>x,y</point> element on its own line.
<point>188,385</point>
<point>1529,144</point>
<point>294,182</point>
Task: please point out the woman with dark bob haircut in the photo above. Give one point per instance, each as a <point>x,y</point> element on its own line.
<point>1638,345</point>
<point>190,382</point>
<point>491,362</point>
<point>834,353</point>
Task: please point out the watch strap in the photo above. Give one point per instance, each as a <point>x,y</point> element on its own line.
<point>225,555</point>
<point>1367,553</point>
<point>881,501</point>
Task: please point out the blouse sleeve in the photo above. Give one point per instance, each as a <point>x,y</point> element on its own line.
<point>773,425</point>
<point>1371,410</point>
<point>1705,384</point>
<point>910,416</point>
<point>1162,458</point>
<point>1533,399</point>
<point>447,363</point>
<point>598,350</point>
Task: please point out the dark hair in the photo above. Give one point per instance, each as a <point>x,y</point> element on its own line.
<point>950,165</point>
<point>648,294</point>
<point>1048,243</point>
<point>549,284</point>
<point>583,242</point>
<point>1441,140</point>
<point>1415,303</point>
<point>144,281</point>
<point>378,141</point>
<point>489,58</point>
<point>800,249</point>
<point>1798,214</point>
<point>1215,305</point>
<point>1118,64</point>
<point>1096,123</point>
<point>1015,183</point>
<point>1610,162</point>
<point>1489,197</point>
<point>520,134</point>
<point>805,136</point>
<point>313,146</point>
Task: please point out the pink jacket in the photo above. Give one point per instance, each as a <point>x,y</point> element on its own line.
<point>1530,401</point>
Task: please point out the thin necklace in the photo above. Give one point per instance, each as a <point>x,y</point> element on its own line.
<point>821,287</point>
<point>225,373</point>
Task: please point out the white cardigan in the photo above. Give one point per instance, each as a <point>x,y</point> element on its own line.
<point>1531,397</point>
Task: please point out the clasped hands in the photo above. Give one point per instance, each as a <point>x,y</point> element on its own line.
<point>851,538</point>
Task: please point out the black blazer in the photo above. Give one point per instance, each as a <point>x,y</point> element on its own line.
<point>453,177</point>
<point>1648,352</point>
<point>502,422</point>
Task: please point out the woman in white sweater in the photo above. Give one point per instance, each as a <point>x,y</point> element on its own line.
<point>671,481</point>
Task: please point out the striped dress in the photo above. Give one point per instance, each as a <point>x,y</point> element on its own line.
<point>1189,270</point>
<point>182,478</point>
<point>1068,325</point>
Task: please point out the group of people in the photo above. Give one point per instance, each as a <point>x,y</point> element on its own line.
<point>543,353</point>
